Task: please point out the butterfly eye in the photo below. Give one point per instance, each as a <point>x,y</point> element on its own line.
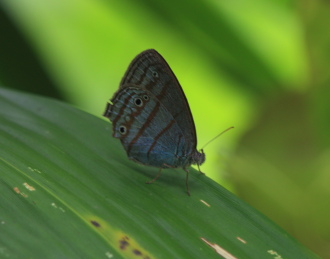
<point>138,102</point>
<point>146,97</point>
<point>122,130</point>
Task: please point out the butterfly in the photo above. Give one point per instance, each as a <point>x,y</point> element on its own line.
<point>151,116</point>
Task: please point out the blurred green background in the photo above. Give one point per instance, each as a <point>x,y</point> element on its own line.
<point>261,66</point>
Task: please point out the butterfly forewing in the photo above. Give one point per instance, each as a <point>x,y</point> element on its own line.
<point>150,71</point>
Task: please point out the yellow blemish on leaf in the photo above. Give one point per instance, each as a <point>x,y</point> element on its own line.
<point>277,256</point>
<point>242,240</point>
<point>221,251</point>
<point>18,191</point>
<point>57,207</point>
<point>208,205</point>
<point>124,243</point>
<point>34,170</point>
<point>29,187</point>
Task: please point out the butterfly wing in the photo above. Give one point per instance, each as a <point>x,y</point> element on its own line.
<point>150,71</point>
<point>149,133</point>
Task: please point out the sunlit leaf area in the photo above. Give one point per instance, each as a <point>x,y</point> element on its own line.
<point>260,66</point>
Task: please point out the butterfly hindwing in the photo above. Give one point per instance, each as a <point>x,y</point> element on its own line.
<point>148,132</point>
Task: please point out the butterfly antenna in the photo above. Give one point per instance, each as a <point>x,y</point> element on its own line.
<point>216,137</point>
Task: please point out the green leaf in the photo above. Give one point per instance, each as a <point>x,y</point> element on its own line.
<point>69,191</point>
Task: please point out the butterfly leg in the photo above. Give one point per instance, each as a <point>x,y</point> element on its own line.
<point>199,169</point>
<point>157,176</point>
<point>187,180</point>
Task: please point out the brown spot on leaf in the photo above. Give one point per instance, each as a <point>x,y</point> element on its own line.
<point>132,248</point>
<point>137,252</point>
<point>95,223</point>
<point>123,243</point>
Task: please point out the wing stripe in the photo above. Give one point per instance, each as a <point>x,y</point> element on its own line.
<point>159,135</point>
<point>149,119</point>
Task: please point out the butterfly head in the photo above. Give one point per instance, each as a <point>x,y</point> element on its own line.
<point>198,157</point>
